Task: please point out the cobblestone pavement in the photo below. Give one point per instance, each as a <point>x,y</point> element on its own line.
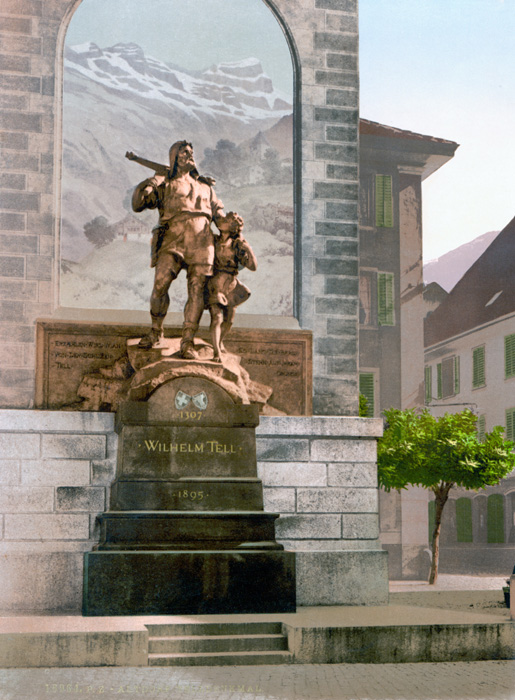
<point>479,680</point>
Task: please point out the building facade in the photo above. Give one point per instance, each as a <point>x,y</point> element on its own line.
<point>470,363</point>
<point>393,165</point>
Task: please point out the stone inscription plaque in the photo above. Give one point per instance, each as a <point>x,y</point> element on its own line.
<point>174,451</point>
<point>66,351</point>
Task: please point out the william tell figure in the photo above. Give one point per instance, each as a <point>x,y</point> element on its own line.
<point>187,204</point>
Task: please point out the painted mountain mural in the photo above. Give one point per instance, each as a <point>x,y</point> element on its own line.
<point>117,99</point>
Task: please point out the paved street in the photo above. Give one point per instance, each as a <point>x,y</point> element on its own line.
<point>480,680</point>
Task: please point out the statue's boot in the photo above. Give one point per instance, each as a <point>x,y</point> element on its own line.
<point>187,347</point>
<point>155,336</point>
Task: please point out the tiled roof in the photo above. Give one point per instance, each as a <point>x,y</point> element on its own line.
<point>484,293</point>
<point>375,129</point>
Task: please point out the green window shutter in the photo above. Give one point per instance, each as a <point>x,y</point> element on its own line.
<point>481,428</point>
<point>439,380</point>
<point>428,384</point>
<point>510,424</point>
<point>478,367</point>
<point>366,387</point>
<point>388,202</point>
<point>384,201</point>
<point>456,375</point>
<point>448,377</point>
<point>385,305</point>
<point>464,520</point>
<point>495,519</point>
<point>431,516</point>
<point>509,356</point>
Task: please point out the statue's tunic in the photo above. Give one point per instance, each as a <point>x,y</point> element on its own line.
<point>186,208</point>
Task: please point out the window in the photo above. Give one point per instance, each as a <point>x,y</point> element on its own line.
<point>384,201</point>
<point>385,306</point>
<point>439,380</point>
<point>428,384</point>
<point>478,367</point>
<point>448,375</point>
<point>366,387</point>
<point>510,424</point>
<point>366,200</point>
<point>481,427</point>
<point>464,520</point>
<point>367,309</point>
<point>509,356</point>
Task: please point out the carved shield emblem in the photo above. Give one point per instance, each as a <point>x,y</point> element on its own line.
<point>200,400</point>
<point>181,400</point>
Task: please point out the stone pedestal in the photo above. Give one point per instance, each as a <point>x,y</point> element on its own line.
<point>186,532</point>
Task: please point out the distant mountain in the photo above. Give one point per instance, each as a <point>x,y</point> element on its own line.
<point>239,90</point>
<point>449,268</point>
<point>117,99</point>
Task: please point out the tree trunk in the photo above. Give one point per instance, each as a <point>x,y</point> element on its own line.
<point>441,495</point>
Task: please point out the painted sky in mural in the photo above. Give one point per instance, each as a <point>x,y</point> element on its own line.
<point>446,68</point>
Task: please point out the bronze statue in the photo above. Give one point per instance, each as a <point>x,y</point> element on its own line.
<point>187,204</point>
<point>224,291</point>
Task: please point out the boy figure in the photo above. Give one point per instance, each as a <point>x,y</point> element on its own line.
<point>224,291</point>
<point>187,204</point>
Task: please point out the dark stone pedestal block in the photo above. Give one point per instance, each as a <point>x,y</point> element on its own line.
<point>187,494</point>
<point>194,530</point>
<point>188,583</point>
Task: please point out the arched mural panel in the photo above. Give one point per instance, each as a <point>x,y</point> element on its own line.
<point>221,77</point>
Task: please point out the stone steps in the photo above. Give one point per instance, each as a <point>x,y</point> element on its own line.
<point>213,628</point>
<point>215,644</point>
<point>248,642</point>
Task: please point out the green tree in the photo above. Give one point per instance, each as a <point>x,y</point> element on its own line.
<point>439,453</point>
<point>98,231</point>
<point>363,406</point>
<point>223,160</point>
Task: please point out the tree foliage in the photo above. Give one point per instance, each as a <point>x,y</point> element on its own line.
<point>98,231</point>
<point>223,160</point>
<point>418,449</point>
<point>363,406</point>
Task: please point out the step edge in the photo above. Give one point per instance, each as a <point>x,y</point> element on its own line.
<point>200,654</point>
<point>217,637</point>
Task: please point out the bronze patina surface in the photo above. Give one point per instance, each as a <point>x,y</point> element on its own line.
<point>183,239</point>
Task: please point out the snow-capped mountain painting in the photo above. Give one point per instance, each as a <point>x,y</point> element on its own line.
<point>118,99</point>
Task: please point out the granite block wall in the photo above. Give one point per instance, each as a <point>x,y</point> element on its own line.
<point>55,469</point>
<point>318,473</point>
<point>323,37</point>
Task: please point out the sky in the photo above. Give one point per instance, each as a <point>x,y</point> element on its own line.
<point>447,68</point>
<point>193,34</point>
